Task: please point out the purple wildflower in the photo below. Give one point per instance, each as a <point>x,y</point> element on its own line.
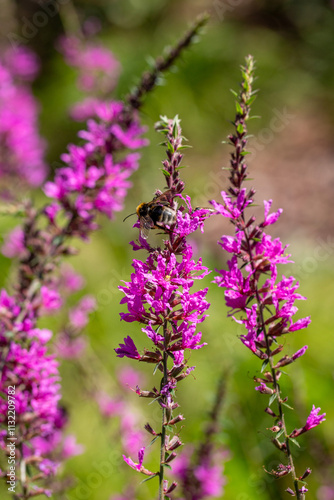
<point>255,296</point>
<point>14,244</point>
<point>79,314</point>
<point>159,295</point>
<point>313,420</point>
<point>131,463</point>
<point>128,349</point>
<point>22,149</point>
<point>98,68</point>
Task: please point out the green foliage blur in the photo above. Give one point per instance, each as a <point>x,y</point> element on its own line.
<point>292,44</point>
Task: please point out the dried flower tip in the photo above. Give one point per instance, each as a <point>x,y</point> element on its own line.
<point>283,470</point>
<point>277,350</point>
<point>170,458</point>
<point>286,360</point>
<point>173,444</point>
<point>275,428</point>
<point>171,488</point>
<point>270,412</point>
<point>149,429</point>
<point>145,394</point>
<point>176,370</point>
<point>306,473</point>
<point>175,420</point>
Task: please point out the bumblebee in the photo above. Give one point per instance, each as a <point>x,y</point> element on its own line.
<point>155,214</point>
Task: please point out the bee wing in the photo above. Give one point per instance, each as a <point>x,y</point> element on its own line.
<point>146,223</point>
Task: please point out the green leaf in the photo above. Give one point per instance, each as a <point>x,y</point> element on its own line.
<point>155,368</point>
<point>185,146</point>
<point>288,406</point>
<point>167,466</point>
<point>264,365</point>
<point>294,441</point>
<point>149,478</point>
<point>251,100</point>
<point>154,440</point>
<point>272,398</point>
<point>165,172</point>
<point>238,108</point>
<point>240,129</point>
<point>234,92</point>
<point>175,129</point>
<point>170,147</point>
<point>279,434</point>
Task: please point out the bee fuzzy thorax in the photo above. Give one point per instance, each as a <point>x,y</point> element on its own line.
<point>156,214</point>
<point>139,209</point>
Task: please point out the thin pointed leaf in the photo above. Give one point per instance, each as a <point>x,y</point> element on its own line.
<point>288,406</point>
<point>294,441</point>
<point>272,398</point>
<point>264,365</point>
<point>149,478</point>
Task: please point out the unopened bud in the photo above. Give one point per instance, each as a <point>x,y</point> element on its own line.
<point>306,473</point>
<point>270,412</point>
<point>170,458</point>
<point>175,420</point>
<point>173,444</point>
<point>149,429</point>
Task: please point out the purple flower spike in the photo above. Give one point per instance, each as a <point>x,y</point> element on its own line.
<point>257,299</point>
<point>159,294</point>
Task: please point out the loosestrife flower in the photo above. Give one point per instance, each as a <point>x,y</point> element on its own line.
<point>98,72</point>
<point>256,297</point>
<point>159,297</point>
<point>94,180</point>
<point>22,148</point>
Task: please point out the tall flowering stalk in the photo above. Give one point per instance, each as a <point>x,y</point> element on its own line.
<point>257,298</point>
<point>94,180</point>
<point>159,297</point>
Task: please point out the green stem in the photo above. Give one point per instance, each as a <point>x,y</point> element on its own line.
<point>163,424</point>
<point>274,376</point>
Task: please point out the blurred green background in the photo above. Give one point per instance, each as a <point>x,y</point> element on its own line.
<point>292,162</point>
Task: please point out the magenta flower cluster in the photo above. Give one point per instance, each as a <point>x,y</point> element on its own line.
<point>22,148</point>
<point>159,297</point>
<point>257,298</point>
<point>95,178</point>
<point>98,73</point>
